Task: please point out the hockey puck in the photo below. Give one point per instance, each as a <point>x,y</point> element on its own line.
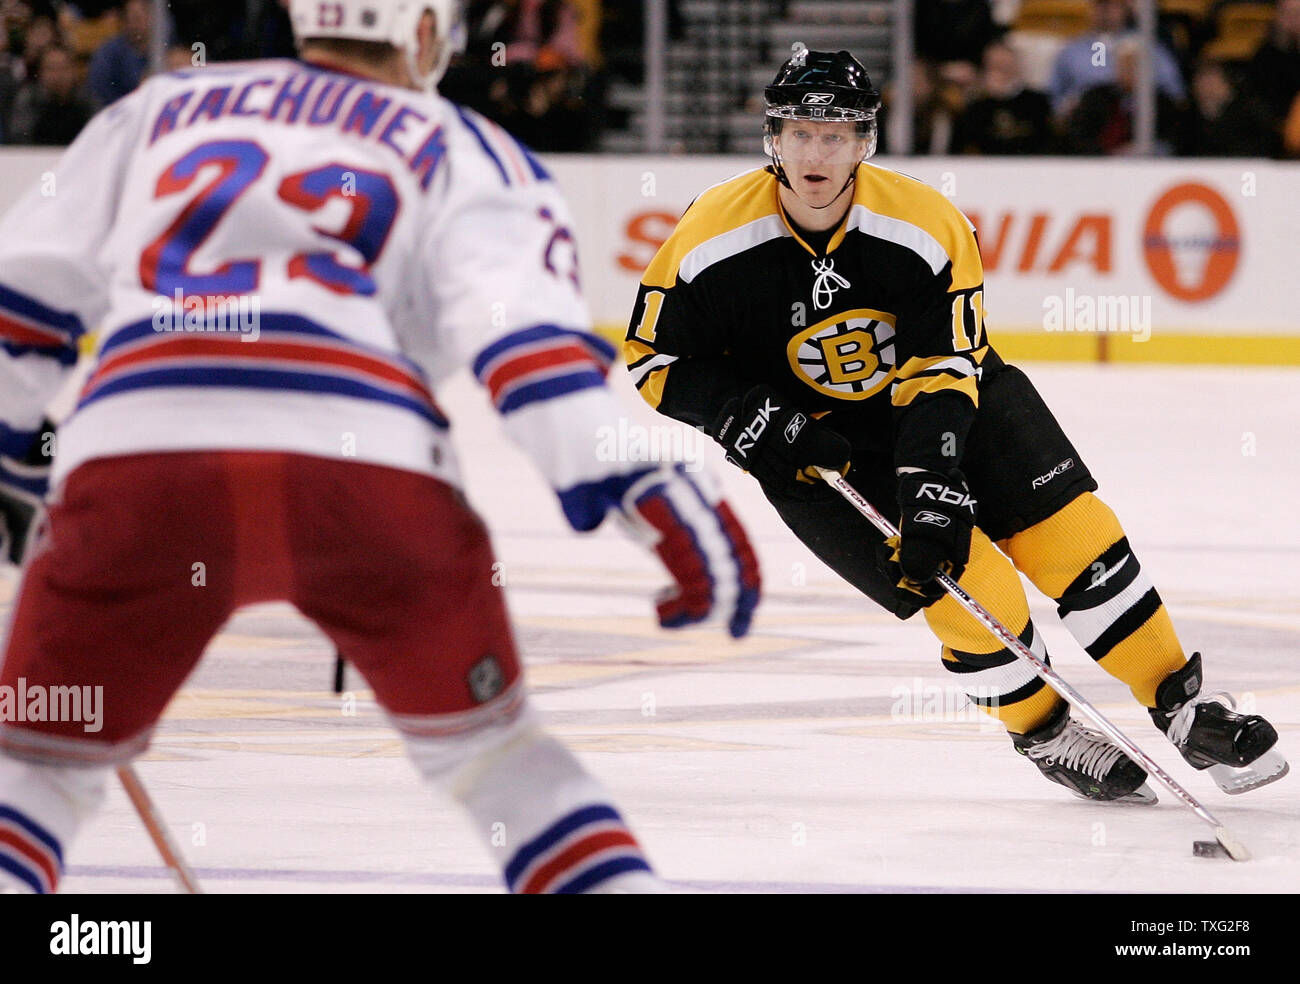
<point>1209,849</point>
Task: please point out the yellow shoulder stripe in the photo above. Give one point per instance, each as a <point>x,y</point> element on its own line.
<point>915,215</point>
<point>730,205</point>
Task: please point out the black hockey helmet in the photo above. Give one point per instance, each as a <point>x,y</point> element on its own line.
<point>822,86</point>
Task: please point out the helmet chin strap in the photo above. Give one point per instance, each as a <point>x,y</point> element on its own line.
<point>847,184</point>
<point>853,176</point>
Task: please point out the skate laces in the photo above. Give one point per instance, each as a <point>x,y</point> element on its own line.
<point>1079,748</point>
<point>1180,725</point>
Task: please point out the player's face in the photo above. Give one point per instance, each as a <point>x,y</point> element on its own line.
<point>819,158</point>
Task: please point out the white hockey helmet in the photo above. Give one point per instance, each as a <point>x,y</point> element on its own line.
<point>392,22</point>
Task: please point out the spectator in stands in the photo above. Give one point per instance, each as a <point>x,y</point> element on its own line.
<point>1275,68</point>
<point>1223,121</point>
<point>1103,120</point>
<point>954,30</point>
<point>119,65</point>
<point>41,35</point>
<point>1291,131</point>
<point>935,104</point>
<point>218,26</point>
<point>11,70</point>
<point>267,30</point>
<point>90,9</point>
<point>179,58</point>
<point>50,111</point>
<point>622,36</point>
<point>525,69</point>
<point>1006,117</point>
<point>1091,60</point>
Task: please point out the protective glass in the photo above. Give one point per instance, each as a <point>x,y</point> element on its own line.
<point>806,141</point>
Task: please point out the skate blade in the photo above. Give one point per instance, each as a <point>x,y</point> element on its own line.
<point>1144,795</point>
<point>1269,767</point>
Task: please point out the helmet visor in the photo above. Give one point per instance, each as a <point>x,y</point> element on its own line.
<point>819,142</point>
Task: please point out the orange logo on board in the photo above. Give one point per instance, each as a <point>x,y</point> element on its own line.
<point>1194,261</point>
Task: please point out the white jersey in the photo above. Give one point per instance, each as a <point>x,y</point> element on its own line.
<point>279,256</point>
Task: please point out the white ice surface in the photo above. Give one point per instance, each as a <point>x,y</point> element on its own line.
<point>774,764</point>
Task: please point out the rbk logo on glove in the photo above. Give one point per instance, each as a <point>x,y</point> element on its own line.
<point>780,445</point>
<point>937,516</point>
<point>925,516</point>
<point>750,436</point>
<point>942,493</point>
<point>794,427</point>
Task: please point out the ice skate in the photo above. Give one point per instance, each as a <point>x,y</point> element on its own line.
<point>1237,750</point>
<point>1085,762</point>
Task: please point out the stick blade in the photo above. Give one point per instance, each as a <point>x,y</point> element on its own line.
<point>1228,841</point>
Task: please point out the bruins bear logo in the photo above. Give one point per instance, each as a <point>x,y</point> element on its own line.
<point>849,356</point>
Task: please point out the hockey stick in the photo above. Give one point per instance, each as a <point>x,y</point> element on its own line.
<point>153,823</point>
<point>1234,848</point>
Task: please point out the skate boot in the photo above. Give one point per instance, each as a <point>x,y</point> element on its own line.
<point>1237,750</point>
<point>1088,764</point>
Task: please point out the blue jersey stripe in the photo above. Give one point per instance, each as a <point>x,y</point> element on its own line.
<point>16,443</point>
<point>290,324</point>
<point>64,355</point>
<point>548,389</point>
<point>33,310</point>
<point>539,333</point>
<point>260,378</point>
<point>539,172</point>
<point>487,148</point>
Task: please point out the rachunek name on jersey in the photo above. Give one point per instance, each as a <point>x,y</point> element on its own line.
<point>313,98</point>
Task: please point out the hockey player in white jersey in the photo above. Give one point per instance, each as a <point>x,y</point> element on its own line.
<point>283,260</point>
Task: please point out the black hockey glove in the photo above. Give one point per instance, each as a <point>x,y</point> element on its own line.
<point>938,514</point>
<point>23,484</point>
<point>763,434</point>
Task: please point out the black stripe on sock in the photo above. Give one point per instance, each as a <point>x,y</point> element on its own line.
<point>974,662</point>
<point>1015,697</point>
<point>1126,624</point>
<point>1083,593</point>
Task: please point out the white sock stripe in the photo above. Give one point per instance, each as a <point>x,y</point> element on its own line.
<point>1008,678</point>
<point>998,681</point>
<point>1088,624</point>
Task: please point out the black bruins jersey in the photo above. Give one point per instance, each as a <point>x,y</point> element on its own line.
<point>886,320</point>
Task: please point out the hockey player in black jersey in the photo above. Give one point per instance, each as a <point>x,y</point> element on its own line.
<point>824,311</point>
